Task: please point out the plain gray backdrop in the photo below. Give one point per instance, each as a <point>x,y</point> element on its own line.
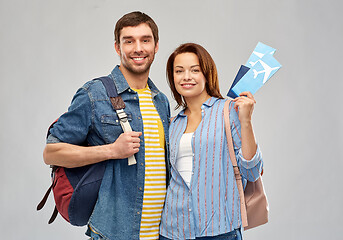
<point>50,48</point>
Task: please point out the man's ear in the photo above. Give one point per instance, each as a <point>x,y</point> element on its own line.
<point>117,48</point>
<point>156,47</point>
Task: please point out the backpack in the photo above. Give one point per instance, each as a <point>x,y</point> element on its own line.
<point>76,190</point>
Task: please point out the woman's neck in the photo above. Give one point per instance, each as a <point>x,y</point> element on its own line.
<point>194,104</point>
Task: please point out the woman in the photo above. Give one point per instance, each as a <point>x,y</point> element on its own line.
<point>202,199</point>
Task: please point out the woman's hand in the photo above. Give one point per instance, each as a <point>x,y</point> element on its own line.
<point>244,105</point>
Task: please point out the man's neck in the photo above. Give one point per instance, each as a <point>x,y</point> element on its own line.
<point>135,81</point>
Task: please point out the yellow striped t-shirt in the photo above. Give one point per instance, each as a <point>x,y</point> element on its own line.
<point>155,168</point>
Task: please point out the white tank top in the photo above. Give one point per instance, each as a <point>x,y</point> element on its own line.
<point>184,159</point>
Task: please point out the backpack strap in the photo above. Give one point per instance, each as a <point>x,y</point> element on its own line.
<point>118,106</point>
<point>41,204</point>
<point>53,216</point>
<point>237,173</point>
<point>43,201</point>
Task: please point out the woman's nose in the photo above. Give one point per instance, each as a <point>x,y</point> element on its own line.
<point>187,75</point>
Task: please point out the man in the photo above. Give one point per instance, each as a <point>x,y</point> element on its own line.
<point>131,197</point>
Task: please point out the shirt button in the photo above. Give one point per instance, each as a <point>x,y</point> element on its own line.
<point>129,90</point>
<point>135,98</point>
<point>140,188</point>
<point>142,164</point>
<point>139,118</point>
<point>138,213</point>
<point>190,210</point>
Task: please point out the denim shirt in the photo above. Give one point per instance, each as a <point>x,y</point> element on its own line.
<point>91,118</point>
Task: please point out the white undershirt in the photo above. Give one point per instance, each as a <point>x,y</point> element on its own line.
<point>184,158</point>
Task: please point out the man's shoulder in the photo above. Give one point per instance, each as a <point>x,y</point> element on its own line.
<point>164,96</point>
<point>95,89</point>
<point>154,89</point>
<point>92,84</point>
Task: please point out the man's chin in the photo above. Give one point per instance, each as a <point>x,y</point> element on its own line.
<point>139,69</point>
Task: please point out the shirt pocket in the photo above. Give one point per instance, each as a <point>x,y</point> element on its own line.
<point>111,127</point>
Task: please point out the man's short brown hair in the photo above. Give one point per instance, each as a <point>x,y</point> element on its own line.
<point>134,19</point>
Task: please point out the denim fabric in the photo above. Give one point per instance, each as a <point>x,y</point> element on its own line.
<point>233,235</point>
<point>90,118</point>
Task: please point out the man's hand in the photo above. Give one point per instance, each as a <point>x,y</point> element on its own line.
<point>126,145</point>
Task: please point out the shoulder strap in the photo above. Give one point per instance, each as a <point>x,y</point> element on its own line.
<point>234,163</point>
<point>118,106</point>
<point>109,85</point>
<point>116,100</point>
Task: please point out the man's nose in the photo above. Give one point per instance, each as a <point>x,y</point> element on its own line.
<point>138,47</point>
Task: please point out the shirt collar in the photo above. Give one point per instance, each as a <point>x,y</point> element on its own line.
<point>122,85</point>
<point>209,103</point>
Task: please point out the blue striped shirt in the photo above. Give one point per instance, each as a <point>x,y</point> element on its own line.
<point>211,205</point>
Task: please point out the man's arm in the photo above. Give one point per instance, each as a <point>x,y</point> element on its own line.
<point>70,156</point>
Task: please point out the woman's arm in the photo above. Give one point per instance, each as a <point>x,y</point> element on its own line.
<point>244,105</point>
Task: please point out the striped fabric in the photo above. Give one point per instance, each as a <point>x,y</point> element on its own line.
<point>155,169</point>
<point>210,205</point>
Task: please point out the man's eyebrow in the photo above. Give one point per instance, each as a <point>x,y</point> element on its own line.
<point>127,37</point>
<point>131,37</point>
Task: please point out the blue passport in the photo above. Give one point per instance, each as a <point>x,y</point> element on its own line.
<point>241,72</point>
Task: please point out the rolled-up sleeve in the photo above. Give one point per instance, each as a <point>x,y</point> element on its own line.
<point>52,139</point>
<point>250,169</point>
<point>73,126</point>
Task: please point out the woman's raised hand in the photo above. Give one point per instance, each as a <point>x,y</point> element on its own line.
<point>244,105</point>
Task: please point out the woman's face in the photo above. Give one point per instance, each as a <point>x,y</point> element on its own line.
<point>189,80</point>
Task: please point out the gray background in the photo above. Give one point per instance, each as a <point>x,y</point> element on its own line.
<point>50,48</point>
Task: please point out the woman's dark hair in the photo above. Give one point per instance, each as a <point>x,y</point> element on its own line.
<point>208,68</point>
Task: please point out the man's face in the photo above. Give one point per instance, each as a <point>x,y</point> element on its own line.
<point>137,48</point>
